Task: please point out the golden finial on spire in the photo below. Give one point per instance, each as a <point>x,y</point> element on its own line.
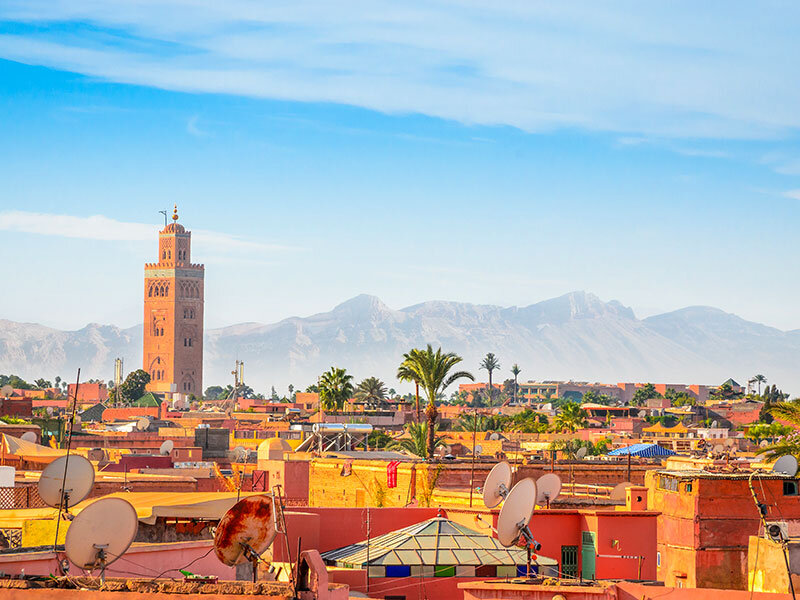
<point>175,213</point>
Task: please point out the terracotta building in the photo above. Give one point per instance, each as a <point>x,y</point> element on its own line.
<point>173,315</point>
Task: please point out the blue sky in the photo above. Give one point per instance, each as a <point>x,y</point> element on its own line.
<point>472,151</point>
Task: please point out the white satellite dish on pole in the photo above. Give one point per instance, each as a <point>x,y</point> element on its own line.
<point>49,410</point>
<point>29,436</point>
<point>66,481</point>
<point>240,454</point>
<point>618,493</point>
<point>166,447</point>
<point>516,513</point>
<point>548,487</point>
<point>785,465</point>
<point>101,533</point>
<point>581,453</point>
<point>143,424</point>
<point>714,424</point>
<point>497,484</point>
<point>478,450</point>
<point>494,437</point>
<point>718,449</point>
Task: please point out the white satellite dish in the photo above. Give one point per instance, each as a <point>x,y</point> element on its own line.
<point>764,443</point>
<point>6,390</point>
<point>497,484</point>
<point>29,436</point>
<point>57,489</point>
<point>548,487</point>
<point>166,447</point>
<point>49,411</point>
<point>240,454</point>
<point>516,512</point>
<point>714,424</point>
<point>478,449</point>
<point>718,449</point>
<point>581,452</point>
<point>785,465</point>
<point>642,414</point>
<point>101,533</point>
<point>494,437</point>
<point>618,493</point>
<point>142,424</point>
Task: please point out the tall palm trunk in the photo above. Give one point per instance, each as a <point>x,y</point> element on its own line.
<point>491,389</point>
<point>419,414</point>
<point>515,388</point>
<point>431,415</point>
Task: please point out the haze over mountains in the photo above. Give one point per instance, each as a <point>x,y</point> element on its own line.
<point>575,336</point>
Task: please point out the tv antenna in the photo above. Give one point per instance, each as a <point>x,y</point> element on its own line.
<point>166,447</point>
<point>66,481</point>
<point>548,487</point>
<point>245,532</point>
<point>164,212</point>
<point>100,534</point>
<point>497,484</point>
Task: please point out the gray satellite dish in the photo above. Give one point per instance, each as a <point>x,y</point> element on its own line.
<point>718,449</point>
<point>101,533</point>
<point>142,424</point>
<point>618,493</point>
<point>49,410</point>
<point>714,424</point>
<point>478,449</point>
<point>55,488</point>
<point>785,465</point>
<point>516,512</point>
<point>166,447</point>
<point>494,437</point>
<point>548,487</point>
<point>29,436</point>
<point>6,390</point>
<point>764,443</point>
<point>642,414</point>
<point>240,454</point>
<point>497,484</point>
<point>581,452</point>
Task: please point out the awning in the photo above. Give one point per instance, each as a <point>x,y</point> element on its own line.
<point>643,450</point>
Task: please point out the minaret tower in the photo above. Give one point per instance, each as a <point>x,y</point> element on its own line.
<point>173,315</point>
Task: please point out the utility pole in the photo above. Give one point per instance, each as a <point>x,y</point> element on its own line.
<point>472,474</point>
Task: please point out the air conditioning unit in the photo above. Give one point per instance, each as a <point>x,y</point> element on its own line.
<point>776,530</point>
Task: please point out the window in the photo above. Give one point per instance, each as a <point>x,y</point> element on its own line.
<point>790,488</point>
<point>569,561</point>
<point>658,559</point>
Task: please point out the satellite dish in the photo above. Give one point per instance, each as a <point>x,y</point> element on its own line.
<point>478,449</point>
<point>718,449</point>
<point>142,424</point>
<point>49,411</point>
<point>494,437</point>
<point>29,436</point>
<point>618,493</point>
<point>785,465</point>
<point>246,531</point>
<point>642,414</point>
<point>101,533</point>
<point>581,452</point>
<point>729,443</point>
<point>56,488</point>
<point>166,447</point>
<point>497,484</point>
<point>548,487</point>
<point>240,454</point>
<point>6,390</point>
<point>516,512</point>
<point>764,443</point>
<point>714,424</point>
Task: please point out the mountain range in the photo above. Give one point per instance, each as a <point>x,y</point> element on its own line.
<point>576,336</point>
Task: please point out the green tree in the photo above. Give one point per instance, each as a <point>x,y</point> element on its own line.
<point>593,397</point>
<point>371,391</point>
<point>378,438</point>
<point>433,371</point>
<point>134,385</point>
<point>15,382</point>
<point>490,364</point>
<point>645,393</point>
<point>570,418</point>
<point>214,392</point>
<point>406,372</point>
<point>419,442</point>
<point>335,389</point>
<point>679,398</point>
<point>312,389</point>
<point>43,384</point>
<point>528,421</point>
<point>759,379</point>
<point>758,432</point>
<point>789,443</point>
<point>725,392</point>
<point>515,370</point>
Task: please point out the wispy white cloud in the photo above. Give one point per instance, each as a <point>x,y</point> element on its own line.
<point>192,127</point>
<point>793,194</point>
<point>98,227</point>
<point>675,69</point>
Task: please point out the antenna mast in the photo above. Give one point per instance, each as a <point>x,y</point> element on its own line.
<point>164,212</point>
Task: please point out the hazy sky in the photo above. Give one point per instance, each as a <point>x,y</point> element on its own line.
<point>486,152</point>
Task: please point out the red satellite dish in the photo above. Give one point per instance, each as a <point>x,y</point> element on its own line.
<point>245,531</point>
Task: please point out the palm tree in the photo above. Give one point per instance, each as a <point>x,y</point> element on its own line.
<point>432,371</point>
<point>490,363</point>
<point>759,379</point>
<point>405,372</point>
<point>371,391</point>
<point>516,371</point>
<point>335,389</point>
<point>788,444</point>
<point>417,442</point>
<point>571,418</point>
